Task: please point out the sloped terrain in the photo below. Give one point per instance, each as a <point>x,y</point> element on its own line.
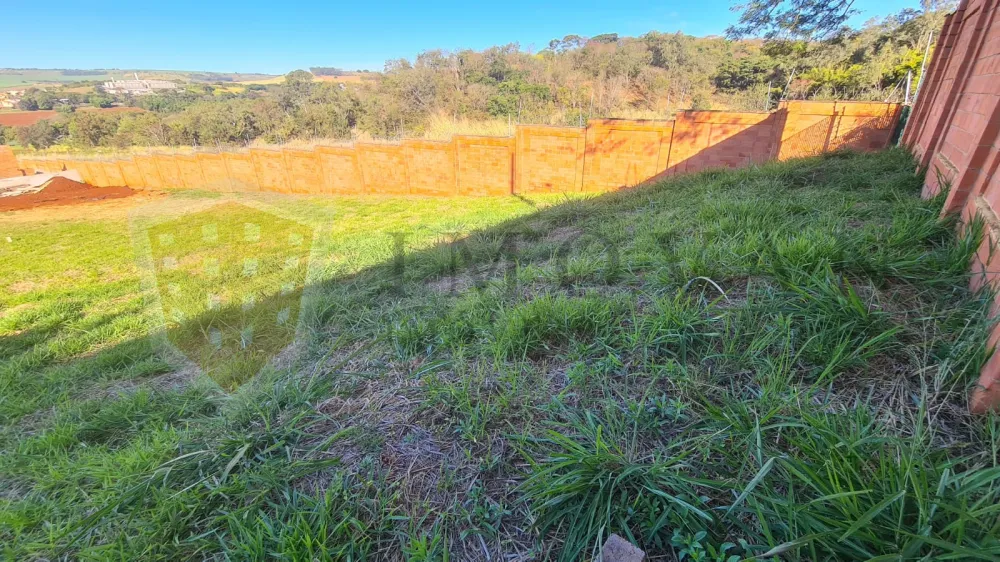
<point>754,363</point>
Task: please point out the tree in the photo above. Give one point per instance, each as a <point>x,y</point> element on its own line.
<point>745,73</point>
<point>567,43</point>
<point>814,20</point>
<point>513,96</point>
<point>605,38</point>
<point>298,78</point>
<point>141,129</point>
<point>40,135</point>
<point>298,85</point>
<point>35,99</point>
<point>326,71</point>
<point>98,100</point>
<point>27,103</point>
<point>8,135</point>
<point>93,128</point>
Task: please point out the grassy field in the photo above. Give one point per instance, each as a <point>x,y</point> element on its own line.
<point>768,363</point>
<point>27,77</point>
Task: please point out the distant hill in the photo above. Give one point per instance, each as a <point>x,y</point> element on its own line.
<point>12,77</point>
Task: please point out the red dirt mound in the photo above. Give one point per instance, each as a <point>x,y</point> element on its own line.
<point>62,191</point>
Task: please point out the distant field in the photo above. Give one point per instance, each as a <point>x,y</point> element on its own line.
<point>271,80</point>
<point>348,79</point>
<point>10,77</point>
<point>26,118</point>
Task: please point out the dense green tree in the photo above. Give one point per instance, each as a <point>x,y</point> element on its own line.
<point>28,103</point>
<point>93,128</point>
<point>42,134</point>
<point>8,135</point>
<point>101,100</point>
<point>747,72</point>
<point>141,129</point>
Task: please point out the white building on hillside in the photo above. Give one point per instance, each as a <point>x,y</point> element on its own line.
<point>137,87</point>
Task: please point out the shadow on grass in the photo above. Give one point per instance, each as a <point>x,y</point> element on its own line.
<point>234,337</point>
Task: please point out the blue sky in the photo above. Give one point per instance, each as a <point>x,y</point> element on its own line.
<point>275,37</point>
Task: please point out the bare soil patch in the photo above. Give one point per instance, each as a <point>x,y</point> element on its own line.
<point>63,191</point>
<point>25,118</point>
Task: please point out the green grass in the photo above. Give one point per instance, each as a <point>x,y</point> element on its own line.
<point>9,78</point>
<point>753,364</point>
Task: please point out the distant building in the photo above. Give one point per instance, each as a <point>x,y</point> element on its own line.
<point>137,87</point>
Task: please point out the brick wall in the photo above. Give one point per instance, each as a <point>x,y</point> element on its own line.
<point>214,170</point>
<point>485,165</point>
<point>954,132</point>
<point>713,139</point>
<point>605,155</point>
<point>620,152</point>
<point>815,127</point>
<point>303,170</point>
<point>548,159</point>
<point>431,167</point>
<point>383,169</point>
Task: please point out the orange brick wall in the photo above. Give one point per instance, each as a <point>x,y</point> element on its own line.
<point>97,174</point>
<point>151,178</point>
<point>485,165</point>
<point>623,153</point>
<point>605,155</point>
<point>549,159</point>
<point>190,170</point>
<point>711,139</point>
<point>131,174</point>
<point>954,131</point>
<point>242,175</point>
<point>340,170</point>
<point>170,173</point>
<point>113,174</point>
<point>431,167</point>
<point>214,171</point>
<point>305,175</point>
<point>383,168</point>
<point>269,166</point>
<point>812,128</point>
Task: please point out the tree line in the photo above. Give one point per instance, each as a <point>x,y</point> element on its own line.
<point>574,78</point>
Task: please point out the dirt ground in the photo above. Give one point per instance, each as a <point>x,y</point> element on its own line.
<point>63,191</point>
<point>104,209</point>
<point>27,118</point>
